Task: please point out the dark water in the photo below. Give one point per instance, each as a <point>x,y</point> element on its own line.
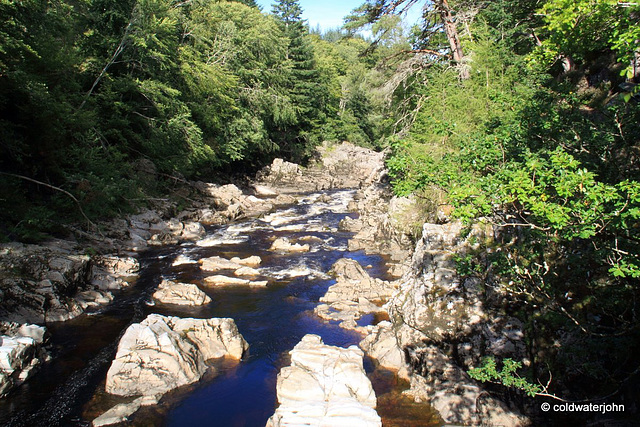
<point>68,390</point>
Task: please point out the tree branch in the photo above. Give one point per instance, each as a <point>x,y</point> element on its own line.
<point>53,187</point>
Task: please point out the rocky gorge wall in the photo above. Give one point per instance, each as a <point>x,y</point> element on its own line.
<point>442,324</point>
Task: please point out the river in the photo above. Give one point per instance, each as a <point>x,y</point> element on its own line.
<point>68,390</point>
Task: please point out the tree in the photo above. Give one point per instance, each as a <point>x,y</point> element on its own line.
<point>308,93</point>
<point>438,18</point>
<point>288,11</point>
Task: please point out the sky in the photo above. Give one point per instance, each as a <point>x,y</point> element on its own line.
<point>328,13</point>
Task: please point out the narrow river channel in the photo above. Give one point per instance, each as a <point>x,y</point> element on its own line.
<point>69,389</point>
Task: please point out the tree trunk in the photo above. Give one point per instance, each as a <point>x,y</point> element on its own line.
<point>446,17</point>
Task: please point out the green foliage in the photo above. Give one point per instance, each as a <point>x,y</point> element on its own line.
<point>547,157</point>
<point>578,29</point>
<point>506,376</point>
<point>88,89</point>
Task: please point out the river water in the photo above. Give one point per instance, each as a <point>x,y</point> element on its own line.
<point>69,389</point>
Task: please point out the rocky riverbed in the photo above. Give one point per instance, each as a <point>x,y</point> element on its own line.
<point>233,258</point>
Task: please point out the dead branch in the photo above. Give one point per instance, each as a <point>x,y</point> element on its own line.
<point>53,187</point>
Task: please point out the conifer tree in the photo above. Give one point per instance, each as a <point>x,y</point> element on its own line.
<point>306,89</point>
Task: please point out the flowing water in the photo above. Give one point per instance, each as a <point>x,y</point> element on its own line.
<point>68,390</point>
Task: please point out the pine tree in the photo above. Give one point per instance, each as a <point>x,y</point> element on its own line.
<point>250,3</point>
<point>306,90</point>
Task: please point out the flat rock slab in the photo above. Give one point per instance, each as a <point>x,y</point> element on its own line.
<point>121,412</point>
<point>251,261</point>
<point>162,353</point>
<point>226,280</point>
<point>324,386</point>
<point>216,263</point>
<point>169,292</point>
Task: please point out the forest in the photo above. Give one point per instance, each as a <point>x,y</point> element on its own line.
<point>523,114</point>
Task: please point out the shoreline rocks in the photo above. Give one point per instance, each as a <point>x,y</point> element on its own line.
<point>354,294</point>
<point>433,310</point>
<point>21,353</point>
<point>325,385</point>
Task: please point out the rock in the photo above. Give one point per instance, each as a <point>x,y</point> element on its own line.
<point>352,295</point>
<point>162,353</point>
<point>118,414</point>
<point>246,271</point>
<point>382,345</point>
<point>284,200</point>
<point>21,353</point>
<point>251,261</point>
<point>353,282</point>
<point>223,195</point>
<point>110,272</point>
<point>281,171</point>
<point>169,292</point>
<point>225,280</point>
<point>220,280</point>
<point>324,386</point>
<point>282,244</point>
<point>264,191</point>
<point>433,305</point>
<point>455,396</point>
<point>218,263</point>
<point>192,231</point>
<point>350,224</point>
<point>93,298</point>
<point>38,283</point>
<point>183,259</point>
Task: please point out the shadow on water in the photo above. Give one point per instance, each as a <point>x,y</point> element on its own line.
<point>69,390</point>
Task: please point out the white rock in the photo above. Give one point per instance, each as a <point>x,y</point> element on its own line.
<point>118,414</point>
<point>382,345</point>
<point>246,271</point>
<point>162,353</point>
<point>251,261</point>
<point>169,292</point>
<point>263,190</point>
<point>225,280</point>
<point>283,244</point>
<point>218,263</point>
<point>93,298</point>
<point>324,386</point>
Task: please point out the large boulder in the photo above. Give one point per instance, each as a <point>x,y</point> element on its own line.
<point>457,398</point>
<point>382,345</point>
<point>113,272</point>
<point>162,353</point>
<point>21,353</point>
<point>216,263</point>
<point>169,292</point>
<point>324,386</point>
